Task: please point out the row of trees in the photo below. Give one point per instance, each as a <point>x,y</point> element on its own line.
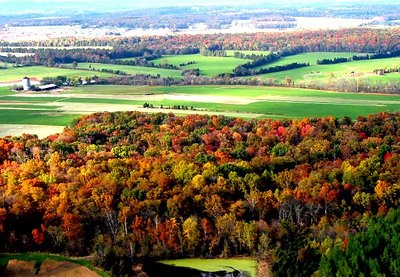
<point>252,56</point>
<point>239,71</point>
<point>381,55</point>
<point>123,186</point>
<point>213,53</point>
<point>333,61</point>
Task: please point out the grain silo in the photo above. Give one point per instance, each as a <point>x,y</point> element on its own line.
<point>26,83</point>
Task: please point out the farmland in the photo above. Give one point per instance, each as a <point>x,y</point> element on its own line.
<point>353,69</point>
<point>174,164</point>
<point>311,57</point>
<point>38,72</point>
<point>209,66</point>
<point>60,108</point>
<point>132,70</point>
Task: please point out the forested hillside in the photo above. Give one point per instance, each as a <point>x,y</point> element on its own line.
<point>130,185</point>
<point>363,40</point>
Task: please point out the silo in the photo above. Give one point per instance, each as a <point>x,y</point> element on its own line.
<point>26,83</point>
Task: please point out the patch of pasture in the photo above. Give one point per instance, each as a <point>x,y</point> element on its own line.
<point>311,57</point>
<point>134,70</point>
<point>209,66</point>
<point>38,72</point>
<point>353,69</point>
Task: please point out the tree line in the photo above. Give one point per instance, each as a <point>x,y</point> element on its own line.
<point>333,61</point>
<point>239,71</point>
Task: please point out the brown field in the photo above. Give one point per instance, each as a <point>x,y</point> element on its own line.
<point>47,268</point>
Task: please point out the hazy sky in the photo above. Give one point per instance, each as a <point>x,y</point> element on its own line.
<point>175,2</point>
<point>7,6</point>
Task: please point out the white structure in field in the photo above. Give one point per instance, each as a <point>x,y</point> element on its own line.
<point>26,83</point>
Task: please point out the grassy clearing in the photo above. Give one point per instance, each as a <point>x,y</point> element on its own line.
<point>129,69</point>
<point>41,257</point>
<point>38,72</point>
<point>213,265</point>
<point>209,66</point>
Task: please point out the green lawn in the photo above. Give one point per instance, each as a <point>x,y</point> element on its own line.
<point>17,73</point>
<point>129,69</point>
<point>213,265</point>
<point>41,257</point>
<point>209,66</point>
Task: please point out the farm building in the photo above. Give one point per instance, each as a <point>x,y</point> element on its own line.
<point>26,83</point>
<point>47,87</point>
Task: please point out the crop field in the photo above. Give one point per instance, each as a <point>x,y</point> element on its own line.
<point>209,66</point>
<point>38,72</point>
<point>60,108</point>
<point>129,69</point>
<point>214,265</point>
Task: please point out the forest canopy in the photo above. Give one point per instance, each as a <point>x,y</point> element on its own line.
<point>130,185</point>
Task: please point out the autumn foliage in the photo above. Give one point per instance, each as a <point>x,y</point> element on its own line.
<point>137,185</point>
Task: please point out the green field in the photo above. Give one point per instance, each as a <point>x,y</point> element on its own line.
<point>311,58</point>
<point>209,66</point>
<point>12,74</point>
<point>354,69</point>
<point>234,101</point>
<point>214,265</point>
<point>129,69</point>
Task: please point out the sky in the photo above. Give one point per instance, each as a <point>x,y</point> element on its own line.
<point>16,6</point>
